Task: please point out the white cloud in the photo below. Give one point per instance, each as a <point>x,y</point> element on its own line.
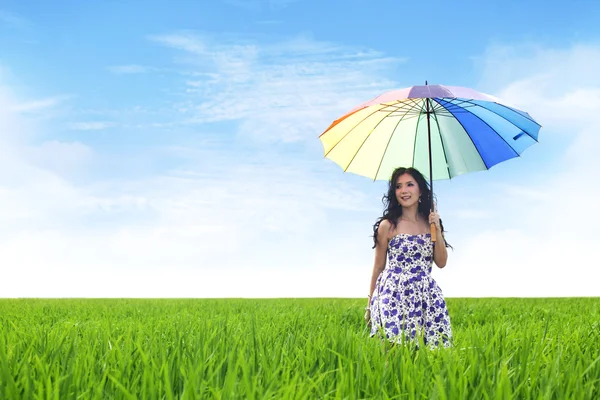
<point>467,214</point>
<point>33,191</point>
<point>64,158</point>
<point>249,228</point>
<point>243,217</point>
<point>543,243</point>
<point>558,86</point>
<point>238,215</point>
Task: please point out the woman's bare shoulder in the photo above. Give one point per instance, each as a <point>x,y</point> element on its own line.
<point>384,228</point>
<point>385,224</point>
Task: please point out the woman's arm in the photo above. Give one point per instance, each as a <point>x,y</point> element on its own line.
<point>440,254</point>
<point>380,252</point>
<point>380,259</point>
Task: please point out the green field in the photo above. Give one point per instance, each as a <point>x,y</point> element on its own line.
<point>292,348</point>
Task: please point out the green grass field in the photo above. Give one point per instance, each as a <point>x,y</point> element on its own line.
<point>292,348</point>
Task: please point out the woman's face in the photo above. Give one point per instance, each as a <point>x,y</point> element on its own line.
<point>407,190</point>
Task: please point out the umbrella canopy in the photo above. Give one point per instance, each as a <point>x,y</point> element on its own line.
<point>443,131</point>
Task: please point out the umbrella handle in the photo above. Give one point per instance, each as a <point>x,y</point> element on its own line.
<point>433,233</point>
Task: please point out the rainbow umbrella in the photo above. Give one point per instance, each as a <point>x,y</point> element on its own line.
<point>443,131</point>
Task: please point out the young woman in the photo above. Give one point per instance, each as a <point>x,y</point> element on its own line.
<point>405,301</point>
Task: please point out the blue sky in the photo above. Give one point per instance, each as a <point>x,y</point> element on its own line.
<point>154,150</point>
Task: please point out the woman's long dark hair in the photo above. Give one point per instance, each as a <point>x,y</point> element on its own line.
<point>393,209</point>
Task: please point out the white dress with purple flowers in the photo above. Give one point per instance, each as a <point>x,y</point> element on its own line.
<point>407,302</point>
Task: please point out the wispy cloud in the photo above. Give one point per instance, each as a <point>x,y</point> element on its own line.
<point>255,4</point>
<point>13,20</point>
<point>282,3</point>
<point>130,69</point>
<point>270,22</point>
<point>285,91</point>
<point>38,105</point>
<point>246,4</point>
<point>91,125</point>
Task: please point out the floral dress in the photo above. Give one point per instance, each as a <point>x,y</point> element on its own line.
<point>407,302</point>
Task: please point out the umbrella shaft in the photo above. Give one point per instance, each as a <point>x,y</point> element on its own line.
<point>429,145</point>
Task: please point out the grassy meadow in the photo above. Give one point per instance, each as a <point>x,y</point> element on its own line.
<point>292,349</point>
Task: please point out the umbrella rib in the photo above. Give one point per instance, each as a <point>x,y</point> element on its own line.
<point>469,136</point>
<point>404,107</point>
<point>493,130</point>
<point>442,140</point>
<point>376,125</point>
<point>527,118</point>
<point>366,137</point>
<point>520,112</point>
<point>488,125</point>
<point>504,118</point>
<point>349,131</point>
<point>415,141</point>
<point>437,106</point>
<point>389,140</point>
<point>337,121</point>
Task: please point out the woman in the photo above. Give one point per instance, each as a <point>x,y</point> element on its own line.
<point>405,301</point>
